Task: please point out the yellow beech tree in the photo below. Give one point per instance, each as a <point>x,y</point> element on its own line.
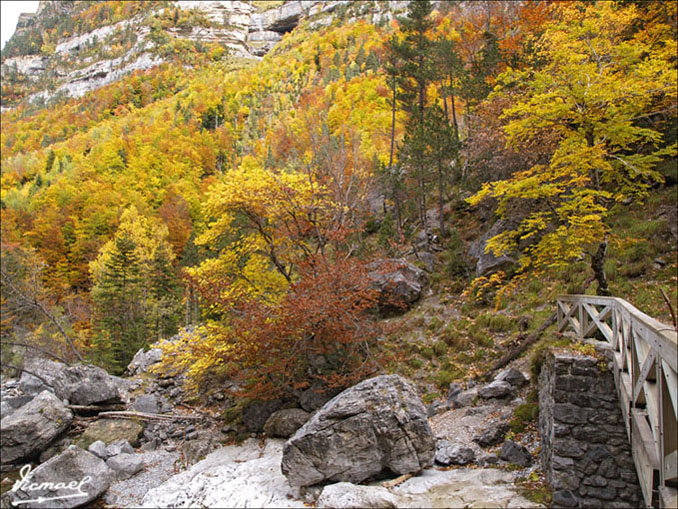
<point>599,81</point>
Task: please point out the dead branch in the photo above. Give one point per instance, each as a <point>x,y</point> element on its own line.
<point>670,306</point>
<point>97,409</point>
<point>396,481</point>
<point>150,417</point>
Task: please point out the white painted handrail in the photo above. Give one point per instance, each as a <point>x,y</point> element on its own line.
<point>645,355</point>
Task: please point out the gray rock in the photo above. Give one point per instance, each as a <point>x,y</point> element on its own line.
<point>493,434</point>
<point>466,398</point>
<point>496,389</point>
<point>32,427</point>
<point>399,284</point>
<point>200,446</point>
<point>513,376</point>
<point>151,445</point>
<point>255,415</point>
<point>110,430</point>
<point>515,453</point>
<point>121,446</point>
<point>564,498</point>
<point>10,403</point>
<point>142,360</point>
<point>448,453</point>
<point>377,424</point>
<point>436,408</point>
<point>77,472</point>
<point>150,403</point>
<point>284,423</point>
<point>85,385</point>
<point>488,262</point>
<point>98,448</point>
<point>125,465</point>
<point>347,495</point>
<point>46,369</point>
<point>488,459</point>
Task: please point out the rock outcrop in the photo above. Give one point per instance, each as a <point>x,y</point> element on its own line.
<point>236,25</point>
<point>377,424</point>
<point>31,428</point>
<point>489,262</point>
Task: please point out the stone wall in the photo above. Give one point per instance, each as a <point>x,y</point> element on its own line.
<point>585,451</point>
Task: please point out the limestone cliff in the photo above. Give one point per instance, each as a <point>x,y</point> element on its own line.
<point>67,49</point>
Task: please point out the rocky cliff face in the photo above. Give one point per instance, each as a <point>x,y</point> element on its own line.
<point>37,68</point>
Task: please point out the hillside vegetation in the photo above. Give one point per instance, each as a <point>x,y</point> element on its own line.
<point>246,200</point>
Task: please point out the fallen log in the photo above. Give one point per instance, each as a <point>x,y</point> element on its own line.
<point>150,417</point>
<point>94,409</point>
<point>521,347</point>
<point>396,481</point>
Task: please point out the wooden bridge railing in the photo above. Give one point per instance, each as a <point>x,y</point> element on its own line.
<point>645,365</point>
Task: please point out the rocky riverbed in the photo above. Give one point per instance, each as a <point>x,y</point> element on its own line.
<point>374,444</point>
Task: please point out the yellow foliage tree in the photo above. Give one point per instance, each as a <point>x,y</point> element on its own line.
<point>598,81</point>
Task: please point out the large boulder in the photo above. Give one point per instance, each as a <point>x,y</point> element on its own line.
<point>110,430</point>
<point>375,425</point>
<point>399,284</point>
<point>32,427</point>
<point>71,479</point>
<point>86,385</point>
<point>46,371</point>
<point>489,262</point>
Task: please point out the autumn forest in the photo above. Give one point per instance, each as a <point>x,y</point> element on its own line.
<point>240,205</point>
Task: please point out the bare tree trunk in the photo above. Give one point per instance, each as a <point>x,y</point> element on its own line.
<point>454,118</point>
<point>441,200</point>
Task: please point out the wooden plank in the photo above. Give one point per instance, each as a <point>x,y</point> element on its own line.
<point>668,497</point>
<point>625,400</point>
<point>652,408</point>
<point>671,384</point>
<point>648,365</point>
<point>644,456</point>
<point>671,467</point>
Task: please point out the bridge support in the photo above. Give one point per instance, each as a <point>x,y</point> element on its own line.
<point>644,356</point>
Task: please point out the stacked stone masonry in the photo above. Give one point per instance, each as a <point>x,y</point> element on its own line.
<point>585,451</point>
